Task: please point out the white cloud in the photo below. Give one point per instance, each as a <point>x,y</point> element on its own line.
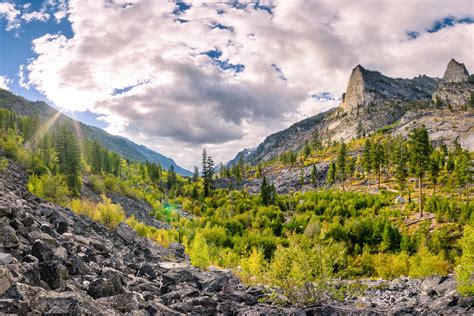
<point>4,82</point>
<point>10,14</point>
<point>35,15</point>
<point>176,99</point>
<point>22,80</point>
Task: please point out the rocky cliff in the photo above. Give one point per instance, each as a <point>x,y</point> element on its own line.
<point>55,262</point>
<point>373,101</point>
<point>455,89</point>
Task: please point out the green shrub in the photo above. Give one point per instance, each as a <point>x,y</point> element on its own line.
<point>389,266</point>
<point>50,187</point>
<point>424,263</point>
<point>3,164</point>
<point>199,251</point>
<point>96,184</point>
<point>465,268</point>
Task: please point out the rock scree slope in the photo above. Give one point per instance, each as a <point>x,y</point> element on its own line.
<point>55,262</point>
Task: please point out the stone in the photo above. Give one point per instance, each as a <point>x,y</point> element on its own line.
<point>8,238</point>
<point>125,232</point>
<point>103,287</point>
<point>6,279</point>
<point>42,251</point>
<point>177,250</point>
<point>5,258</point>
<point>53,273</point>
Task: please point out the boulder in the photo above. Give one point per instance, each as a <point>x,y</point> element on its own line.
<point>5,258</point>
<point>125,232</point>
<point>8,238</point>
<point>53,273</point>
<point>42,251</point>
<point>103,287</point>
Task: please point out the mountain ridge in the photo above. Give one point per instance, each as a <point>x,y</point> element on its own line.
<point>373,101</point>
<point>121,145</point>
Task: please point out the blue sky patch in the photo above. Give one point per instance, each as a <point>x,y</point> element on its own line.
<point>181,7</point>
<point>447,22</point>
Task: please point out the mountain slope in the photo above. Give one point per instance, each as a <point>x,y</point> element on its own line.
<point>373,101</point>
<point>126,148</point>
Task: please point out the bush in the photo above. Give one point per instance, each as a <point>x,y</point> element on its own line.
<point>96,184</point>
<point>50,187</point>
<point>199,252</point>
<point>389,266</point>
<point>425,263</point>
<point>253,267</point>
<point>3,164</point>
<point>104,212</point>
<point>465,268</point>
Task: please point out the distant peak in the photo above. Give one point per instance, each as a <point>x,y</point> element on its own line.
<point>455,72</point>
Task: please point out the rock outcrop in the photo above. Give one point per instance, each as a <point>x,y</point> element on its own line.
<point>455,90</point>
<point>368,88</point>
<point>455,72</point>
<point>373,101</point>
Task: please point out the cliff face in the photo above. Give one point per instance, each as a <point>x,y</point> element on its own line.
<point>455,88</point>
<point>367,89</point>
<point>373,100</point>
<point>455,72</point>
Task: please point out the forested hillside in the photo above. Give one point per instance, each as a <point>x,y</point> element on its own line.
<point>120,145</point>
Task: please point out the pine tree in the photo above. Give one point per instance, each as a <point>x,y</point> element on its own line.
<point>267,192</point>
<point>307,150</point>
<point>207,173</point>
<point>350,168</point>
<point>419,150</point>
<point>400,160</point>
<point>377,154</point>
<point>195,174</point>
<point>367,159</point>
<point>314,176</point>
<point>435,160</point>
<point>69,158</point>
<point>331,177</point>
<point>171,180</point>
<point>341,164</point>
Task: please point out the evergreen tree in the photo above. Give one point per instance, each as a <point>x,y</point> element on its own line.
<point>331,177</point>
<point>307,150</point>
<point>400,160</point>
<point>341,164</point>
<point>69,158</point>
<point>350,168</point>
<point>171,179</point>
<point>314,176</point>
<point>419,150</point>
<point>367,159</point>
<point>267,192</point>
<point>435,160</point>
<point>377,154</point>
<point>195,174</point>
<point>207,173</point>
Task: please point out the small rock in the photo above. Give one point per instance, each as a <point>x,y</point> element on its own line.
<point>5,258</point>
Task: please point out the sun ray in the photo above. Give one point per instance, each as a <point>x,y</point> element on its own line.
<point>42,130</point>
<point>78,130</point>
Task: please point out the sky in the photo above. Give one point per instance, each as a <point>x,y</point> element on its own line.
<point>179,76</point>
